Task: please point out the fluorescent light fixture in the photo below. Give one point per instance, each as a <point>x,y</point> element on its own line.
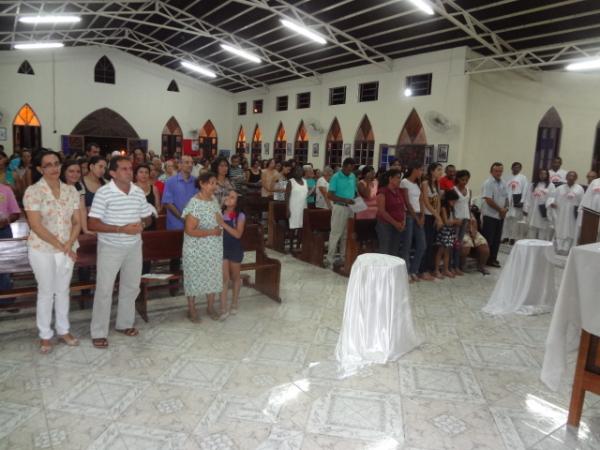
<point>408,92</point>
<point>38,45</point>
<point>49,19</point>
<point>201,70</point>
<point>301,29</point>
<point>242,53</point>
<point>589,64</point>
<point>424,6</point>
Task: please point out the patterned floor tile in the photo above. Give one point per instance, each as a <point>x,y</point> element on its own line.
<point>285,354</point>
<point>205,373</point>
<point>12,415</point>
<point>120,436</point>
<point>500,356</point>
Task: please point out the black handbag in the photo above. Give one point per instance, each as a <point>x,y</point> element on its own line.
<point>516,198</point>
<point>543,211</point>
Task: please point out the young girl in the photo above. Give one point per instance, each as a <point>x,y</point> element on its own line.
<point>232,221</point>
<point>447,235</point>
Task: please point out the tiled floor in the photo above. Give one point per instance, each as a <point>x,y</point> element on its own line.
<point>266,379</point>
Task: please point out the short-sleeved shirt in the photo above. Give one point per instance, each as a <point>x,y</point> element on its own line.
<point>8,202</point>
<point>344,186</point>
<point>394,204</point>
<point>236,176</point>
<point>311,183</point>
<point>496,190</point>
<point>56,214</point>
<point>114,207</point>
<point>178,191</point>
<point>414,194</point>
<point>446,184</point>
<point>321,203</point>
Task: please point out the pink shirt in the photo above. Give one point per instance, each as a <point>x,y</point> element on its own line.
<point>371,203</point>
<point>8,202</point>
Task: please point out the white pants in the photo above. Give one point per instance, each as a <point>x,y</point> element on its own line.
<point>339,228</point>
<point>53,273</point>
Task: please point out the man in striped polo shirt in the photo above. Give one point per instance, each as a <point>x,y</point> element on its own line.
<point>119,214</point>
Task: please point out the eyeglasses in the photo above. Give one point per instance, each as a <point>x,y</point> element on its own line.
<point>49,165</point>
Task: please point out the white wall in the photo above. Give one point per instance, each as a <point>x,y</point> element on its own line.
<point>387,115</point>
<point>504,111</point>
<point>139,95</point>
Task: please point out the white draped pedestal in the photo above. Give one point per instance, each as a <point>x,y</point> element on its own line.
<point>526,283</point>
<point>378,325</point>
<point>577,307</point>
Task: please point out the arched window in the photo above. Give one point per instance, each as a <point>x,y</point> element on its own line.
<point>301,145</point>
<point>364,143</point>
<point>27,129</point>
<point>256,143</point>
<point>208,141</point>
<point>172,139</point>
<point>412,142</point>
<point>280,146</point>
<point>25,68</point>
<point>334,147</point>
<point>596,157</point>
<point>548,140</point>
<point>240,145</point>
<point>104,71</point>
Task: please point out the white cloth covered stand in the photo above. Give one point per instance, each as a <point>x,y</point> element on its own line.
<point>577,307</point>
<point>378,325</point>
<point>526,284</point>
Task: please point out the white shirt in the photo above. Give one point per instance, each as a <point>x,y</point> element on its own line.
<point>591,198</point>
<point>560,176</point>
<point>414,194</point>
<point>196,170</point>
<point>567,199</point>
<point>462,208</point>
<point>321,203</point>
<point>496,190</point>
<point>114,207</point>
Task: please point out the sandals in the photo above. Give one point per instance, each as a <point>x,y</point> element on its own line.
<point>69,339</point>
<point>233,310</point>
<point>212,314</point>
<point>131,332</point>
<point>45,346</point>
<point>100,343</point>
<point>194,318</point>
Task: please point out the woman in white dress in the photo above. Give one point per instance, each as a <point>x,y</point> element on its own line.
<point>535,207</point>
<point>516,187</point>
<point>295,196</point>
<point>565,203</point>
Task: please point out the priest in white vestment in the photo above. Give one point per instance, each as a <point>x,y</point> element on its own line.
<point>557,175</point>
<point>563,206</point>
<point>591,200</point>
<point>516,186</point>
<point>535,207</point>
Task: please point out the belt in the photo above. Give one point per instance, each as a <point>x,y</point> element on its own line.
<point>340,204</point>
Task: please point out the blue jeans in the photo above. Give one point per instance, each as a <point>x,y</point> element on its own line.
<point>414,235</point>
<point>389,238</point>
<point>5,280</point>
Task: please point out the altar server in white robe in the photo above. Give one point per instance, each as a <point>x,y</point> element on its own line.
<point>516,186</point>
<point>562,207</point>
<point>535,207</point>
<point>591,200</point>
<point>557,175</point>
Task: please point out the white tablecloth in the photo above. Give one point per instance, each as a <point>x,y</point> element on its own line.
<point>378,325</point>
<point>577,306</point>
<point>526,283</point>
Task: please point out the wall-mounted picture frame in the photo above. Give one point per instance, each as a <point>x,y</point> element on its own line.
<point>347,150</point>
<point>315,150</point>
<point>2,133</point>
<point>442,153</point>
<point>290,149</point>
<point>266,148</point>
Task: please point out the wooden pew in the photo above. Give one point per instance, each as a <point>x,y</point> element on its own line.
<point>587,370</point>
<point>254,205</point>
<point>277,226</point>
<point>361,238</point>
<point>316,226</point>
<point>165,245</point>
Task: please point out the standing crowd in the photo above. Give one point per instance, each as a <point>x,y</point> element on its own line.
<point>427,216</point>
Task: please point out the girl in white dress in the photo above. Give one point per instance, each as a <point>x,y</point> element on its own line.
<point>296,195</point>
<point>535,207</point>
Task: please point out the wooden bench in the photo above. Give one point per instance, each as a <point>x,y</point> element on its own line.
<point>361,238</point>
<point>316,226</point>
<point>277,228</point>
<point>166,245</point>
<point>254,205</point>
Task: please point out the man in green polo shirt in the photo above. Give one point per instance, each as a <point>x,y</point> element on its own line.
<point>342,190</point>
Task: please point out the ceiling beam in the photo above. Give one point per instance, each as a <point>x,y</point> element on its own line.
<point>333,34</point>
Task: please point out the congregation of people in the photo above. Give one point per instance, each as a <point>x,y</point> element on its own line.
<point>428,216</point>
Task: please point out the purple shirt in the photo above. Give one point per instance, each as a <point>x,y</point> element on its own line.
<point>8,203</point>
<point>178,192</point>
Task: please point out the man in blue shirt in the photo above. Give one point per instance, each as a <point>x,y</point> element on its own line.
<point>179,189</point>
<point>341,192</point>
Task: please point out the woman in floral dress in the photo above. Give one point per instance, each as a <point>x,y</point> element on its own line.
<point>202,247</point>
